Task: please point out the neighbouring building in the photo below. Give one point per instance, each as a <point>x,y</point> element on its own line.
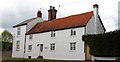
<point>119,15</point>
<point>56,38</point>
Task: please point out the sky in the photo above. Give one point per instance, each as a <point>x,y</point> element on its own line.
<point>13,12</point>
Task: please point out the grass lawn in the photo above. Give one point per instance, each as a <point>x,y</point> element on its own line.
<point>36,60</point>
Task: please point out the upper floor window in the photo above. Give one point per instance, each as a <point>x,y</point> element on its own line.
<point>30,36</point>
<point>18,45</point>
<point>18,30</point>
<point>29,47</point>
<point>73,46</point>
<point>53,34</point>
<point>52,46</point>
<point>73,32</point>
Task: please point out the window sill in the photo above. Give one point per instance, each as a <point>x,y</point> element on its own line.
<point>18,35</point>
<point>52,37</point>
<point>73,35</point>
<point>29,50</point>
<point>73,51</point>
<point>52,50</point>
<point>17,49</point>
<point>30,39</point>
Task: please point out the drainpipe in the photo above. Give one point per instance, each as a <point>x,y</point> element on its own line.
<point>24,44</point>
<point>24,47</point>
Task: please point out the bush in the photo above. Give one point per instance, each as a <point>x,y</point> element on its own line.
<point>6,46</point>
<point>104,45</point>
<point>117,60</point>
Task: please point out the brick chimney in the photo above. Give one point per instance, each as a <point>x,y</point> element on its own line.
<point>52,13</point>
<point>39,14</point>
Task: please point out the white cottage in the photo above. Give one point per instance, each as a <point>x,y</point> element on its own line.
<point>56,38</point>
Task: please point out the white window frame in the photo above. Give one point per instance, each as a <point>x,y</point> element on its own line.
<point>30,36</point>
<point>18,31</point>
<point>53,34</point>
<point>52,46</point>
<point>73,32</point>
<point>29,48</point>
<point>17,45</point>
<point>73,46</point>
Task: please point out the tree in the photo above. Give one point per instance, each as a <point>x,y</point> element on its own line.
<point>6,36</point>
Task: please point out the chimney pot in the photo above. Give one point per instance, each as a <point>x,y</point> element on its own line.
<point>39,14</point>
<point>51,7</point>
<point>95,6</point>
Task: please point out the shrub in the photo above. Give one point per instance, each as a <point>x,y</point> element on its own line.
<point>105,45</point>
<point>117,60</point>
<point>6,46</point>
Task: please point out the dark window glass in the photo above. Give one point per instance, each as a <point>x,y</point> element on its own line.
<point>73,46</point>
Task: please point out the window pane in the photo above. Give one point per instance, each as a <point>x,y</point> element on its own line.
<point>53,34</point>
<point>17,45</point>
<point>52,46</point>
<point>31,36</point>
<point>73,46</point>
<point>73,32</point>
<point>18,30</point>
<point>29,47</point>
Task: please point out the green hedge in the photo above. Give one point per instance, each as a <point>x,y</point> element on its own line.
<point>36,60</point>
<point>6,46</point>
<point>117,60</point>
<point>107,44</point>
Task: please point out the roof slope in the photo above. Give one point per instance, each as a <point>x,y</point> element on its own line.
<point>24,22</point>
<point>62,23</point>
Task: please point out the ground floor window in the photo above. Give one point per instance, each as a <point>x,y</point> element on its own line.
<point>52,46</point>
<point>29,47</point>
<point>18,45</point>
<point>73,46</point>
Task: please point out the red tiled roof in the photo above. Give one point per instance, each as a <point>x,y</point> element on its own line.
<point>62,23</point>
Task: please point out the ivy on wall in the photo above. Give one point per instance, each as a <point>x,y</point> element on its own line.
<point>105,45</point>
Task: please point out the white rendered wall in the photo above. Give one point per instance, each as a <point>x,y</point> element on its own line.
<point>100,28</point>
<point>94,27</point>
<point>62,41</point>
<point>33,23</point>
<point>21,38</point>
<point>90,27</point>
<point>119,15</point>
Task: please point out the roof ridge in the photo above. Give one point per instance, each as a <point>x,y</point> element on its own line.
<point>74,15</point>
<point>67,16</point>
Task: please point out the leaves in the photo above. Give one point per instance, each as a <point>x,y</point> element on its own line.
<point>106,44</point>
<point>6,46</point>
<point>7,36</point>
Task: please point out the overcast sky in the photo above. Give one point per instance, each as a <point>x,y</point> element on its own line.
<point>13,12</point>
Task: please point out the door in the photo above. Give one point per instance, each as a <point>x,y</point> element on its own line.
<point>41,47</point>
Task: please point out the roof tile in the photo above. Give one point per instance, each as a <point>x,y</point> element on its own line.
<point>62,23</point>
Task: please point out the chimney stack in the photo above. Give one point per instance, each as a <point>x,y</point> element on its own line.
<point>96,15</point>
<point>39,14</point>
<point>96,8</point>
<point>52,13</point>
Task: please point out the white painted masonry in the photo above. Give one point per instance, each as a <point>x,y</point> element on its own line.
<point>62,40</point>
<point>23,29</point>
<point>19,53</point>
